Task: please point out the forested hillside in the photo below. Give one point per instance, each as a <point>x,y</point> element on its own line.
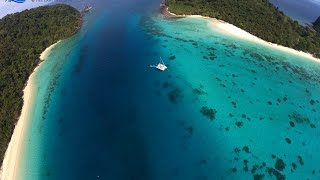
<point>259,17</point>
<point>23,36</point>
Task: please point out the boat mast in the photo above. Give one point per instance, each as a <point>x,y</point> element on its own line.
<point>161,61</point>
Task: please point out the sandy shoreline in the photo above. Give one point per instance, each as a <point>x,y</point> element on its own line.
<point>232,30</point>
<point>14,153</point>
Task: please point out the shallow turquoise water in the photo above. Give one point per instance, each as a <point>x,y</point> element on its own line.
<point>258,88</point>
<point>102,113</point>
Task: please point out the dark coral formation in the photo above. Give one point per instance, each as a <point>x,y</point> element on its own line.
<point>166,85</point>
<point>172,57</point>
<point>239,123</point>
<point>262,171</point>
<point>280,165</point>
<point>190,130</point>
<point>255,168</point>
<point>312,102</point>
<point>288,140</point>
<point>299,118</point>
<point>291,124</point>
<point>294,166</point>
<point>203,162</point>
<point>301,160</point>
<point>258,176</point>
<point>312,125</point>
<point>277,174</point>
<point>175,95</point>
<point>199,91</point>
<point>234,104</point>
<point>211,53</point>
<point>246,149</point>
<point>208,112</point>
<point>285,98</point>
<point>236,150</point>
<point>246,168</point>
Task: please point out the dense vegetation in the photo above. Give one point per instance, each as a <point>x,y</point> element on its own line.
<point>259,17</point>
<point>316,25</point>
<point>23,36</point>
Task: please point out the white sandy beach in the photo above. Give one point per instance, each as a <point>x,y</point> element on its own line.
<point>232,30</point>
<point>14,153</point>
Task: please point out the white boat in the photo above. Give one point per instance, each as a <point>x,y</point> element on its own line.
<point>160,66</point>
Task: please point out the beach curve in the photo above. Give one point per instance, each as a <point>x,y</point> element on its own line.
<point>232,30</point>
<point>15,150</point>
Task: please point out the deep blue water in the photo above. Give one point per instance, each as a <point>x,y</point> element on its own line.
<point>304,11</point>
<point>98,110</point>
<point>102,113</point>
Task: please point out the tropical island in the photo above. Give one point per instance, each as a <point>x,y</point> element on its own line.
<point>23,37</point>
<point>260,18</point>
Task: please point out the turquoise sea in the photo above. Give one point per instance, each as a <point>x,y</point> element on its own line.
<point>224,109</point>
